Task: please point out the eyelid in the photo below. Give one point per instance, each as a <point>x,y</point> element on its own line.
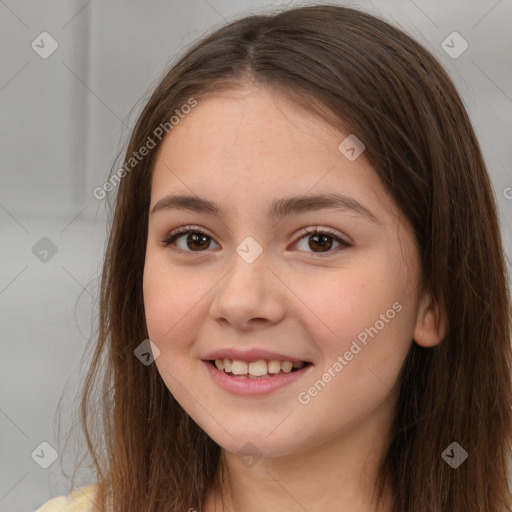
<point>183,230</point>
<point>302,233</point>
<point>311,230</point>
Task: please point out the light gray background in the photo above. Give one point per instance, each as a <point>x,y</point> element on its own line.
<point>62,122</point>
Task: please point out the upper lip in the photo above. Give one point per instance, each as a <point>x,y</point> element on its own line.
<point>250,355</point>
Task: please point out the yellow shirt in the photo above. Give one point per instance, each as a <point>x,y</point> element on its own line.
<point>80,500</point>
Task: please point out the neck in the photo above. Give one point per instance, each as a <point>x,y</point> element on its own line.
<point>339,474</point>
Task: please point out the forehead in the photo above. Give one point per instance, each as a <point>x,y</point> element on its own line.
<point>255,119</point>
<point>246,146</point>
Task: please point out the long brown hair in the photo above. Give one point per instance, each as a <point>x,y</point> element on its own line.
<point>362,75</point>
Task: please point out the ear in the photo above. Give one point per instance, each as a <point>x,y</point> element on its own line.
<point>430,328</point>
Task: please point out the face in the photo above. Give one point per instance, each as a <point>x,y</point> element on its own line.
<point>333,287</point>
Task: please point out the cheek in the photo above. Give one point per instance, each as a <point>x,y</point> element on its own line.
<point>365,314</point>
<point>168,299</point>
<point>370,320</point>
<point>350,300</point>
<point>171,303</point>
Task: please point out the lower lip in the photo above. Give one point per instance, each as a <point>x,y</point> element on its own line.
<point>244,386</point>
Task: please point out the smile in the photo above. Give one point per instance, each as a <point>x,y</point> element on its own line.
<point>254,377</point>
<point>259,369</point>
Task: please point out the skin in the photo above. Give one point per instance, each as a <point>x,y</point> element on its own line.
<point>244,148</point>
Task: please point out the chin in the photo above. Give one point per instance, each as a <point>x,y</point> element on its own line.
<point>257,445</point>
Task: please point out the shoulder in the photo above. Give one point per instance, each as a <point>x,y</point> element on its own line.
<point>79,500</point>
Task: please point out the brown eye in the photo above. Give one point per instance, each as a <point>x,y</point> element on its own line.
<point>322,241</point>
<point>197,241</point>
<point>194,240</point>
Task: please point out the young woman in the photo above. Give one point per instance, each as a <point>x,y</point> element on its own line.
<point>306,231</point>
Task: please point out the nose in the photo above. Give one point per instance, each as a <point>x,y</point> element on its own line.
<point>249,296</point>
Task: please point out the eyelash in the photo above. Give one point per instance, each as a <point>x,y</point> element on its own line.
<point>177,233</point>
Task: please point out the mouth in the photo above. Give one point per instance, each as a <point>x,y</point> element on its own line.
<point>260,369</point>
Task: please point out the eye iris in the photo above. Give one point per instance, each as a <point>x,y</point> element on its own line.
<point>321,240</point>
<point>196,237</point>
<point>197,241</point>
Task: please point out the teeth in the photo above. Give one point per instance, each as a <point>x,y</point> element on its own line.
<point>256,369</point>
<point>274,366</point>
<point>286,366</point>
<point>239,367</point>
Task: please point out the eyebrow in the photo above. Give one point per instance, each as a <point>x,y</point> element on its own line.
<point>279,208</point>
